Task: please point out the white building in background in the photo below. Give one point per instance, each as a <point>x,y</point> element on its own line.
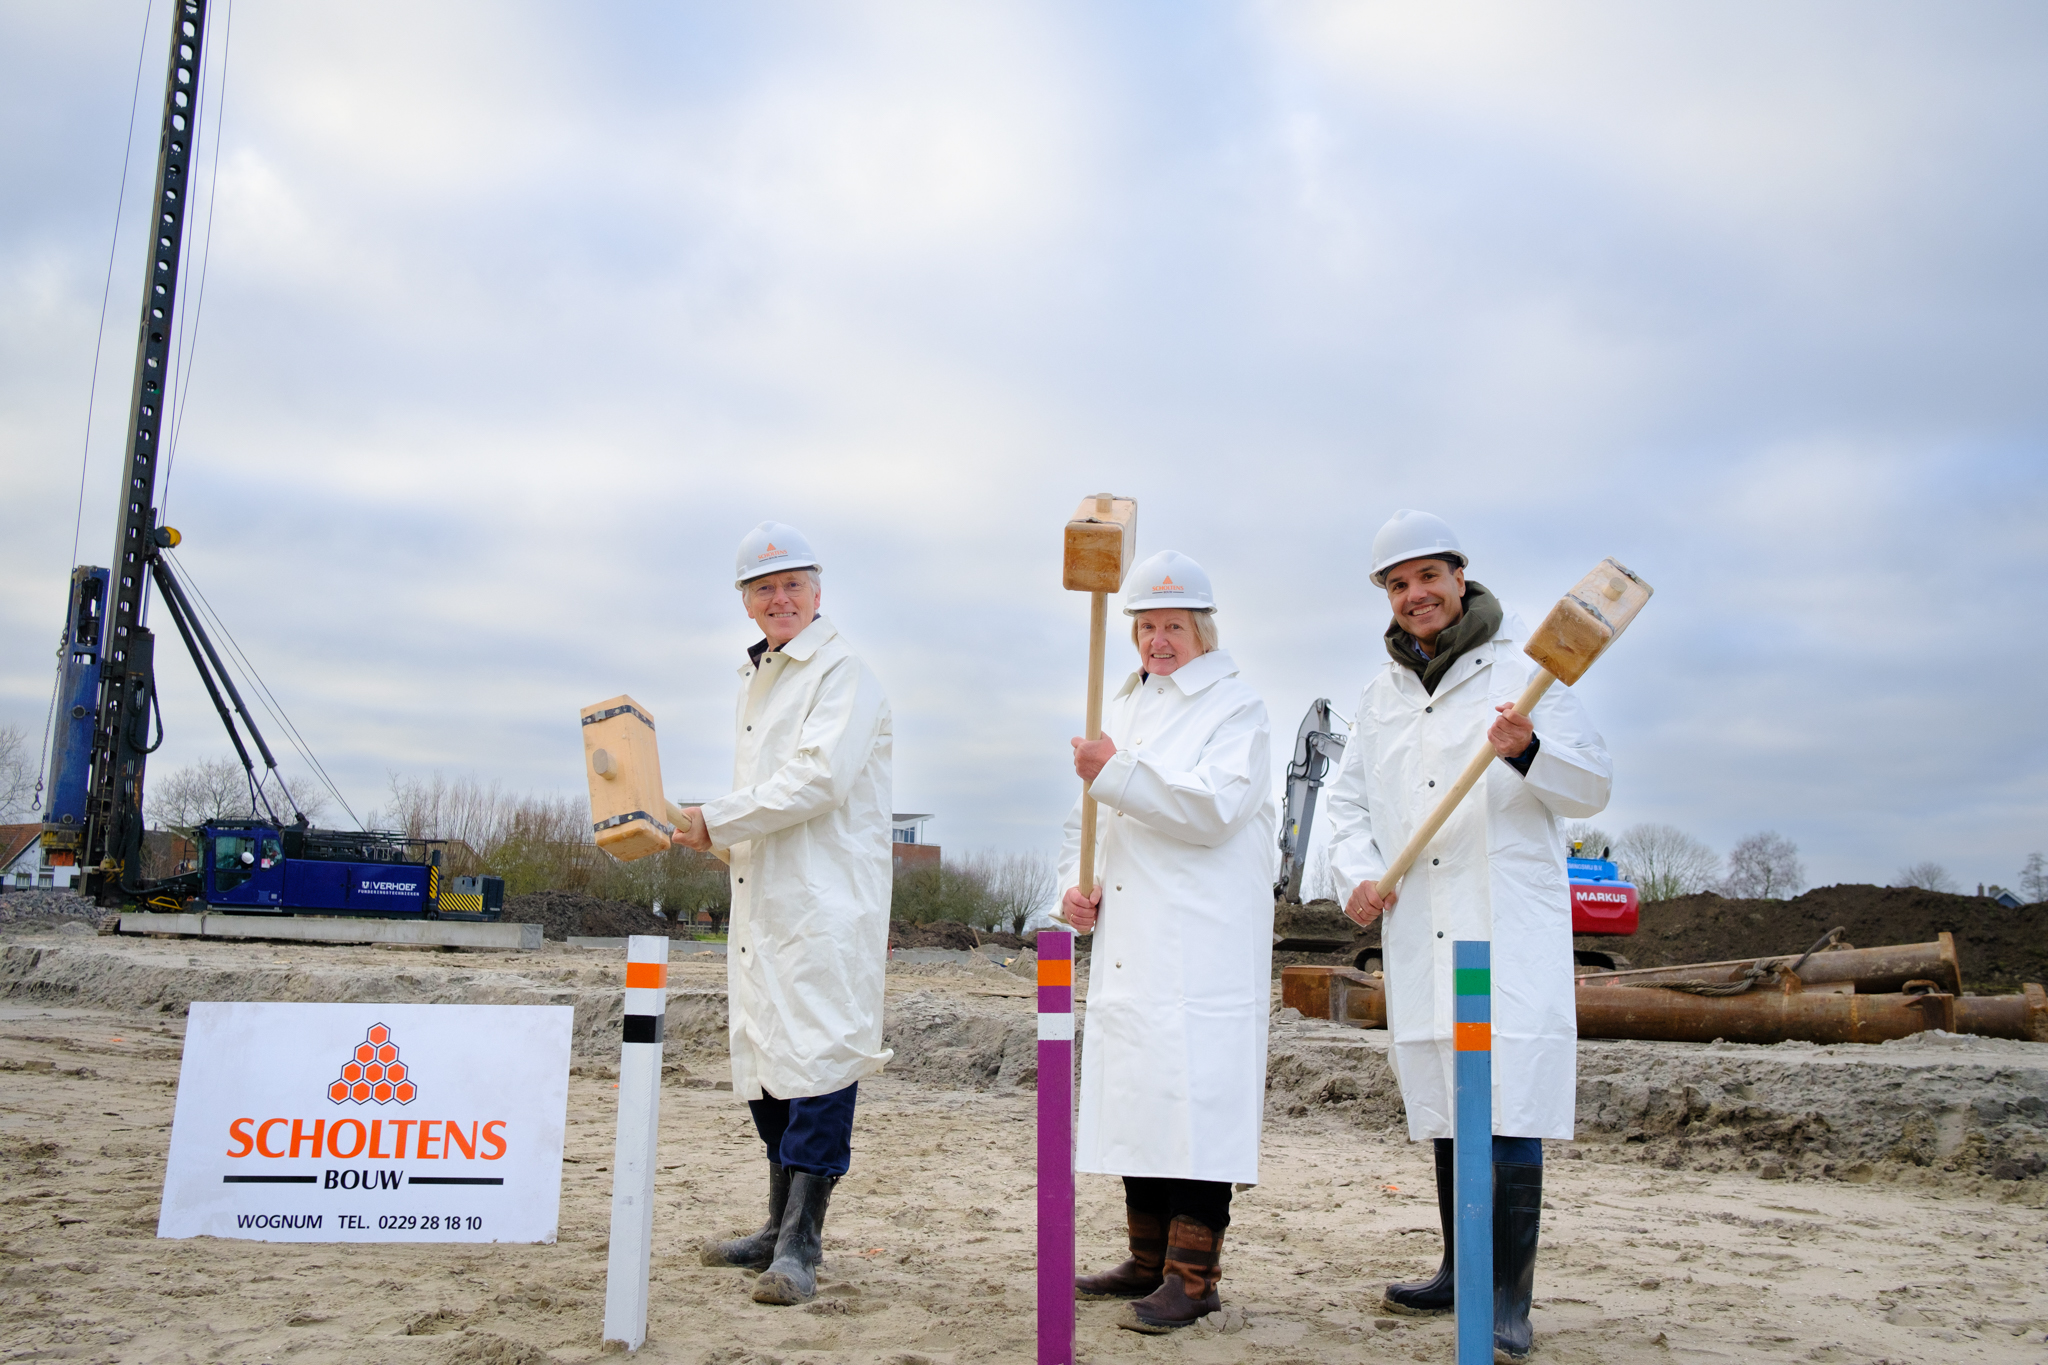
<point>22,867</point>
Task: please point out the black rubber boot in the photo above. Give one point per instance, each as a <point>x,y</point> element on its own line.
<point>1438,1294</point>
<point>755,1252</point>
<point>1517,1213</point>
<point>792,1277</point>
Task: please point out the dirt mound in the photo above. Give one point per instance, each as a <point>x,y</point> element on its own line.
<point>946,933</point>
<point>1999,948</point>
<point>561,914</point>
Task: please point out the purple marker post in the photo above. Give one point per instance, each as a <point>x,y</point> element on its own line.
<point>1056,1147</point>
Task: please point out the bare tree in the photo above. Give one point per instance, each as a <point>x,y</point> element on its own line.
<point>1664,861</point>
<point>1764,867</point>
<point>17,772</point>
<point>1019,883</point>
<point>1927,876</point>
<point>2034,879</point>
<point>188,797</point>
<point>1593,841</point>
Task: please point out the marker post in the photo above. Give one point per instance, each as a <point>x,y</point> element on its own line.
<point>1472,1187</point>
<point>632,1249</point>
<point>1056,1147</point>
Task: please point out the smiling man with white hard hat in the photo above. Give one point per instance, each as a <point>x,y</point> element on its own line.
<point>1173,1080</point>
<point>806,830</point>
<point>1495,872</point>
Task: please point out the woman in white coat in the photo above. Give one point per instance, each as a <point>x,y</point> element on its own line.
<point>1495,871</point>
<point>1173,1066</point>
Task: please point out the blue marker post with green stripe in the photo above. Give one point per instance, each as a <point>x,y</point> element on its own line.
<point>1472,1187</point>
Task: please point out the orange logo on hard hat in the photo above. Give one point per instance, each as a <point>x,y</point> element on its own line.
<point>373,1073</point>
<point>1168,585</point>
<point>769,553</point>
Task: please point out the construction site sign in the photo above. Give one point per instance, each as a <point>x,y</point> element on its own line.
<point>369,1123</point>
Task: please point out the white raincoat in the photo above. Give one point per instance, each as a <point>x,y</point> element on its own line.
<point>1495,871</point>
<point>1173,1063</point>
<point>806,831</point>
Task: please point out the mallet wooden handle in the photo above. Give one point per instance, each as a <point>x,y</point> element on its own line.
<point>1098,630</point>
<point>1419,840</point>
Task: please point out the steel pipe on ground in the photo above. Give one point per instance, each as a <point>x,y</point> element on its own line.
<point>2023,1016</point>
<point>1760,1016</point>
<point>1873,971</point>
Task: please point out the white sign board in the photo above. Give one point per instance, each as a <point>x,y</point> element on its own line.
<point>369,1123</point>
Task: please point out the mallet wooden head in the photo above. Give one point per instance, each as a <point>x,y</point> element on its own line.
<point>628,813</point>
<point>1587,620</point>
<point>1102,540</point>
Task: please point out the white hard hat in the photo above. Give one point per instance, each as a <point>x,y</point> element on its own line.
<point>1169,579</point>
<point>772,547</point>
<point>1413,535</point>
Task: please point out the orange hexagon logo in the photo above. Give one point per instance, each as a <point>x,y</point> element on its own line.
<point>373,1072</point>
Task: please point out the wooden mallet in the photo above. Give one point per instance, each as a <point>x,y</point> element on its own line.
<point>1101,542</point>
<point>1578,630</point>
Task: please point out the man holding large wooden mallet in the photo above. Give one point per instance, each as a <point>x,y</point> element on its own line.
<point>1494,871</point>
<point>806,830</point>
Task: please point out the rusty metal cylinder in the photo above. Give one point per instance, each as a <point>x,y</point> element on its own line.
<point>2023,1016</point>
<point>1760,1016</point>
<point>1339,994</point>
<point>1872,971</point>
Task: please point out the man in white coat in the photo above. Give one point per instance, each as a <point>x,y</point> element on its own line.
<point>806,831</point>
<point>1173,1069</point>
<point>1495,871</point>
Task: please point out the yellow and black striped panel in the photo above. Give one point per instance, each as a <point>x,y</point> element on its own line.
<point>457,903</point>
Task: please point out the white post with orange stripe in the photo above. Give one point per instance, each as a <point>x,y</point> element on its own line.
<point>632,1251</point>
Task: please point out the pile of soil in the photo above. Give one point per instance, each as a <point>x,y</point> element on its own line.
<point>947,933</point>
<point>563,913</point>
<point>1999,948</point>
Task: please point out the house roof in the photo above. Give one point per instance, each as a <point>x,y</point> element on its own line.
<point>901,819</point>
<point>16,840</point>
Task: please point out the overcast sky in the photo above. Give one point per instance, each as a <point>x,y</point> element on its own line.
<point>517,316</point>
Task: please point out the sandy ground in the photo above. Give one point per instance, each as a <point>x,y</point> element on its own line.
<point>929,1248</point>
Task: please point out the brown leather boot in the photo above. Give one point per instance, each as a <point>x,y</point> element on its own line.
<point>1140,1274</point>
<point>1187,1290</point>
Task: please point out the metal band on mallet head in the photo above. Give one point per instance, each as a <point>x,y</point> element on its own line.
<point>632,1248</point>
<point>1055,1147</point>
<point>1472,1180</point>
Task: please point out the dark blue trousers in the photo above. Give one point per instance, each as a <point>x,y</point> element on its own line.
<point>813,1135</point>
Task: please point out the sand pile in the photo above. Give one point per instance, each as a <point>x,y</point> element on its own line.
<point>1939,1104</point>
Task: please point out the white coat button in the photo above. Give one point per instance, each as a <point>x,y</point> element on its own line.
<point>1427,709</point>
<point>1156,689</point>
<point>1439,934</point>
<point>1119,964</point>
<point>1433,862</point>
<point>1432,781</point>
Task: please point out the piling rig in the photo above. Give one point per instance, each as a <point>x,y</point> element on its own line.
<point>107,685</point>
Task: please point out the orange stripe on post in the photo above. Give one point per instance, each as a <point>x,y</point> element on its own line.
<point>646,976</point>
<point>1472,1037</point>
<point>1055,971</point>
